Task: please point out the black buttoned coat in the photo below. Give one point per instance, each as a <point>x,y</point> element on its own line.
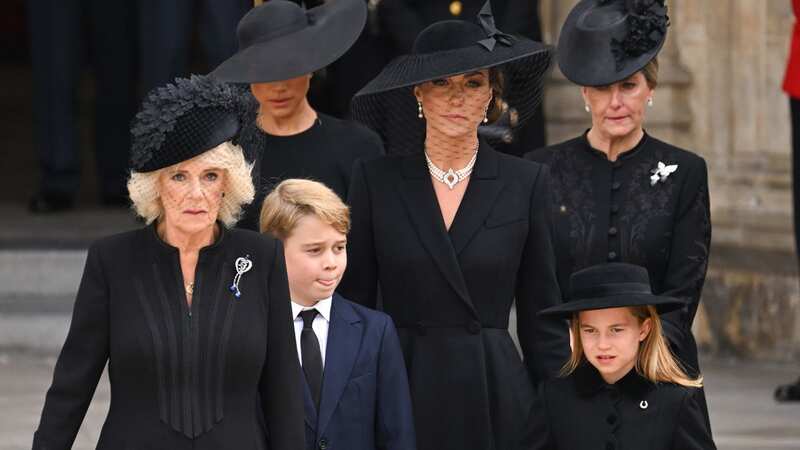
<point>221,374</point>
<point>450,292</point>
<point>607,211</point>
<point>582,412</point>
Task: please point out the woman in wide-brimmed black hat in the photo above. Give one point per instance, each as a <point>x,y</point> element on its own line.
<point>622,387</point>
<point>453,232</point>
<point>618,193</point>
<point>191,316</point>
<point>281,45</point>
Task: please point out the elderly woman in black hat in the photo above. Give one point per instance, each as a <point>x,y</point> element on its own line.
<point>453,232</point>
<point>618,193</point>
<point>622,387</point>
<point>280,46</point>
<point>192,317</point>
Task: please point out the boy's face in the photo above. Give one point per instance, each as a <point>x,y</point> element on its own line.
<point>610,339</point>
<point>316,257</point>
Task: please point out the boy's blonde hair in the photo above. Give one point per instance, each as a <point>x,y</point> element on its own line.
<point>654,361</point>
<point>294,199</point>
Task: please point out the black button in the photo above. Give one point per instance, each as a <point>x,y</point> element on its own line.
<point>323,444</point>
<point>421,330</point>
<point>616,185</point>
<point>612,256</point>
<point>611,419</point>
<point>612,231</point>
<point>474,327</point>
<point>614,209</point>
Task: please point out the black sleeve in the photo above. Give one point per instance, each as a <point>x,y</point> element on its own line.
<point>394,421</point>
<point>537,433</point>
<point>361,277</point>
<point>80,363</point>
<point>691,431</point>
<point>280,386</point>
<point>688,257</point>
<point>544,341</point>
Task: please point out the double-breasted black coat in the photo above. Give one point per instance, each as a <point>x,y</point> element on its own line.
<point>450,292</point>
<point>607,211</point>
<point>583,412</point>
<point>221,374</point>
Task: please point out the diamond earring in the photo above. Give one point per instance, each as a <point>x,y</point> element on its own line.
<point>586,107</point>
<point>419,109</point>
<point>650,101</point>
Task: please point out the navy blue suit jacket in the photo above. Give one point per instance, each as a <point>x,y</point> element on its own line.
<point>365,402</point>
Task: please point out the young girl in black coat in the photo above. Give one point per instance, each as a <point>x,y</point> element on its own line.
<point>622,388</point>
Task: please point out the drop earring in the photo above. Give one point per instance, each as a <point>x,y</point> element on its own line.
<point>486,115</point>
<point>419,109</point>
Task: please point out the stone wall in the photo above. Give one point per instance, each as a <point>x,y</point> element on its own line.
<point>719,95</point>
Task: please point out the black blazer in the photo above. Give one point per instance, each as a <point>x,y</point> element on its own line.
<point>450,293</point>
<point>609,211</point>
<point>582,412</point>
<point>219,375</point>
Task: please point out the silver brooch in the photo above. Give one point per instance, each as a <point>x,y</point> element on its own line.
<point>243,264</point>
<point>661,172</point>
<point>643,404</point>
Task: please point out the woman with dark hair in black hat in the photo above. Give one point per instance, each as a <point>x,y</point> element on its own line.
<point>622,387</point>
<point>453,233</point>
<point>192,317</point>
<point>280,46</point>
<point>619,194</point>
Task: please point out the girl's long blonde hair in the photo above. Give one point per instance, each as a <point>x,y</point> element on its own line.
<point>655,360</point>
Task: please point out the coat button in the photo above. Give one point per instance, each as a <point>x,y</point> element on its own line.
<point>421,330</point>
<point>612,231</point>
<point>611,419</point>
<point>474,327</point>
<point>612,256</point>
<point>323,444</point>
<point>615,185</point>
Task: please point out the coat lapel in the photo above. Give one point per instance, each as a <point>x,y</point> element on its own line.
<point>344,343</point>
<point>426,216</point>
<point>479,198</point>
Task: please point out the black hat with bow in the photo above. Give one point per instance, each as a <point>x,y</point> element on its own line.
<point>611,285</point>
<point>606,41</point>
<point>445,49</point>
<point>184,119</point>
<point>279,40</point>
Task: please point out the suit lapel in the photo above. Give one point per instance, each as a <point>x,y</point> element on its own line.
<point>426,216</point>
<point>479,198</point>
<point>344,343</point>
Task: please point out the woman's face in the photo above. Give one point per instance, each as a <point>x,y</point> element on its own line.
<point>455,106</point>
<point>610,339</point>
<point>191,195</point>
<point>618,109</point>
<point>282,99</point>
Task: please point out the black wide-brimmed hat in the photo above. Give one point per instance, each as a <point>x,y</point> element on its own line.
<point>605,41</point>
<point>279,40</point>
<point>611,285</point>
<point>444,49</point>
<point>184,119</point>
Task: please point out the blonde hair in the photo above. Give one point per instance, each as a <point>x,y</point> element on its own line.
<point>239,189</point>
<point>650,72</point>
<point>654,360</point>
<point>294,199</point>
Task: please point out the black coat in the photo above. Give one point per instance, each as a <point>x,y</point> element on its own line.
<point>325,153</point>
<point>222,374</point>
<point>450,293</point>
<point>609,211</point>
<point>582,412</point>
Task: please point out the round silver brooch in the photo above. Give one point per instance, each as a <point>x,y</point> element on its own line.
<point>643,404</point>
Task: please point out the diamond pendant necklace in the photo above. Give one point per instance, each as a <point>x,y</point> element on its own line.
<point>451,177</point>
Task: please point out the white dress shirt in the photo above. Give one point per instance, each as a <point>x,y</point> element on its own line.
<point>320,325</point>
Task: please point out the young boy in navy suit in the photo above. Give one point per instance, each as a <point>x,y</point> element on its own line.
<point>357,395</point>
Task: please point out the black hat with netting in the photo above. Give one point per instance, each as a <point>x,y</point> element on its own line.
<point>445,49</point>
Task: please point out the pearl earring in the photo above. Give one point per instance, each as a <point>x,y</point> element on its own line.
<point>586,107</point>
<point>650,101</point>
<point>419,109</point>
<point>486,115</point>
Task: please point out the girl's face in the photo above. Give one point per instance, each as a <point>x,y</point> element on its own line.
<point>610,339</point>
<point>455,106</point>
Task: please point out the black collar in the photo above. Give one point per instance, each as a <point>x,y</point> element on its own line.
<point>584,139</point>
<point>588,382</point>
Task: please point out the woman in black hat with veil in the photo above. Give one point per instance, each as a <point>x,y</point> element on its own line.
<point>281,45</point>
<point>453,232</point>
<point>619,194</point>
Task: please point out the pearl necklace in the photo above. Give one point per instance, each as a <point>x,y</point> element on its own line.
<point>452,177</point>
